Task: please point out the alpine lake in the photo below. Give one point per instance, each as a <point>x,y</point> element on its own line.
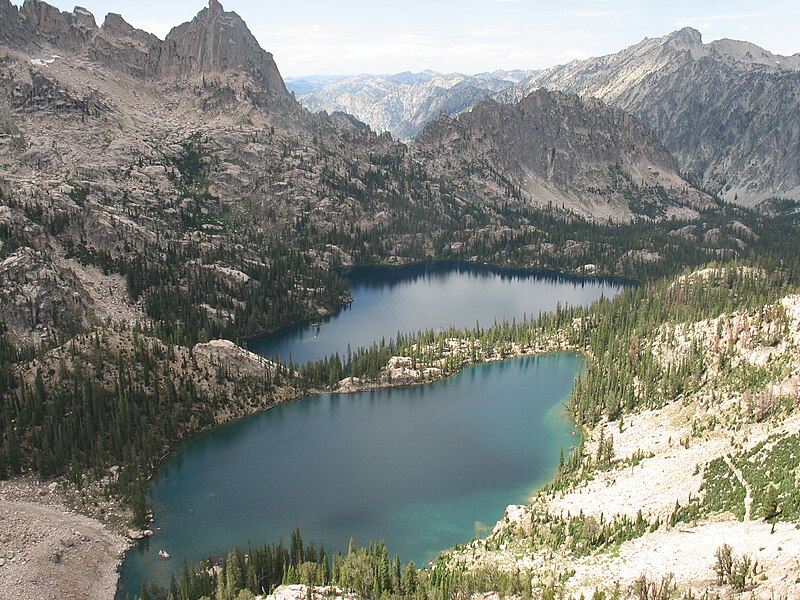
<point>422,468</point>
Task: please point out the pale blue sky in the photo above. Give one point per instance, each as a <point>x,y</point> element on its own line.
<point>380,36</point>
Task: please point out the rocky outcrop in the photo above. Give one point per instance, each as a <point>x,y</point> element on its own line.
<point>347,121</point>
<point>37,25</point>
<point>301,592</point>
<point>36,90</point>
<point>728,110</point>
<point>556,148</point>
<point>38,297</point>
<point>15,30</point>
<point>68,31</point>
<point>216,42</point>
<point>235,358</point>
<point>125,48</point>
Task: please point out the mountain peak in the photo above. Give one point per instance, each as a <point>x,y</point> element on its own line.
<point>216,42</point>
<point>559,148</point>
<point>39,23</point>
<point>687,36</point>
<point>724,109</point>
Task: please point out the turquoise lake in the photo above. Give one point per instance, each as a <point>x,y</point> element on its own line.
<point>423,468</point>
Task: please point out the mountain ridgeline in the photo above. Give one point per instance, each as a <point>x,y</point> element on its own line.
<point>213,42</point>
<point>550,148</point>
<point>728,111</point>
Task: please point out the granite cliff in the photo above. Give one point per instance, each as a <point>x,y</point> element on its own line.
<point>214,43</point>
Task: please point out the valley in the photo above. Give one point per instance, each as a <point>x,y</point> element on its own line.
<point>166,204</point>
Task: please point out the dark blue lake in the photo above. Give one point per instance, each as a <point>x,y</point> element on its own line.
<point>423,468</point>
<point>429,296</point>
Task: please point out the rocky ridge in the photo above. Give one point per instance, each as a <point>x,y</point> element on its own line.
<point>728,110</point>
<point>215,42</point>
<point>550,148</point>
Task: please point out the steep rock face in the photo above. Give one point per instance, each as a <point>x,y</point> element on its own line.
<point>556,148</point>
<point>729,111</point>
<point>125,48</point>
<point>404,103</point>
<point>69,31</point>
<point>36,25</point>
<point>216,42</point>
<point>15,29</point>
<point>39,297</point>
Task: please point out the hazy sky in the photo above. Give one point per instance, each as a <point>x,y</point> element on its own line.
<point>380,36</point>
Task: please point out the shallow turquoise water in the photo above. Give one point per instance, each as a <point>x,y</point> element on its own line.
<point>421,468</point>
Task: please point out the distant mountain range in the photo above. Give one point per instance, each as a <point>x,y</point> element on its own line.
<point>728,111</point>
<point>403,103</point>
<point>309,83</point>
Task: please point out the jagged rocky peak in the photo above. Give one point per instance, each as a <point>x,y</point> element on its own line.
<point>560,136</point>
<point>14,28</point>
<point>36,25</point>
<point>213,43</point>
<point>69,31</point>
<point>115,25</point>
<point>558,148</point>
<point>686,37</point>
<point>726,110</point>
<point>123,47</point>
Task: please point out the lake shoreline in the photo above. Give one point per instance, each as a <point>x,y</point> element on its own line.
<point>399,384</point>
<point>127,544</point>
<point>395,376</point>
<point>425,268</point>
